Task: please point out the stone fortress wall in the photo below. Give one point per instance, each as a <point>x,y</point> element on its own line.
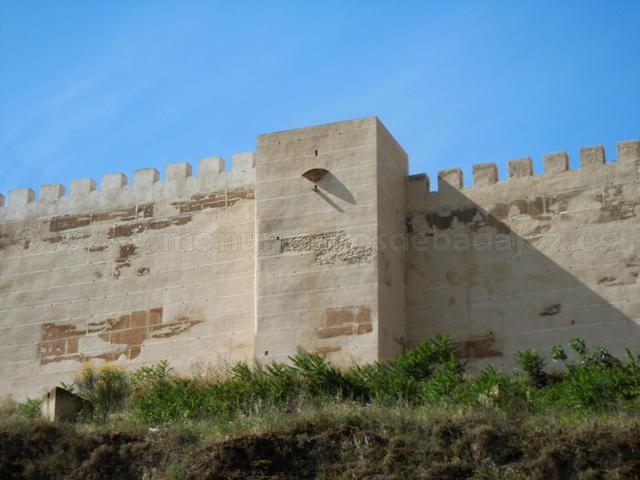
<point>127,273</point>
<point>322,240</point>
<point>531,261</point>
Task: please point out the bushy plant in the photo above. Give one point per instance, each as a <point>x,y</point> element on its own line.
<point>596,381</point>
<point>150,374</point>
<point>429,373</point>
<point>532,364</point>
<point>30,408</point>
<point>8,406</point>
<point>493,388</point>
<point>105,387</point>
<point>631,387</point>
<point>317,377</point>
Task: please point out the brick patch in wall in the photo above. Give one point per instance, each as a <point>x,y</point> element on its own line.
<point>346,321</point>
<point>214,200</point>
<point>68,222</point>
<point>126,334</point>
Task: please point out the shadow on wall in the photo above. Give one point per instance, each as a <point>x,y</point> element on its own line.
<point>332,185</point>
<point>528,273</point>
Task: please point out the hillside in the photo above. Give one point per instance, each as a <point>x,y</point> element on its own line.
<point>346,442</point>
<point>419,416</point>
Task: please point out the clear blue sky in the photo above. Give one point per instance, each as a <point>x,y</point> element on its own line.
<point>92,87</point>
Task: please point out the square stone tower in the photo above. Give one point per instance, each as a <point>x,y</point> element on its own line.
<point>330,220</point>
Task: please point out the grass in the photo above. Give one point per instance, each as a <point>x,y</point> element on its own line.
<point>419,416</point>
<point>330,440</point>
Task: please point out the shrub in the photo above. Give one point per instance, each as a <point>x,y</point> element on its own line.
<point>532,364</point>
<point>30,408</point>
<point>429,373</point>
<point>317,377</point>
<point>631,387</point>
<point>8,406</point>
<point>591,387</point>
<point>150,374</point>
<point>493,388</point>
<point>105,387</point>
<point>596,381</point>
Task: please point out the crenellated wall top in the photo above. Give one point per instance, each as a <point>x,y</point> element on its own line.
<point>117,190</point>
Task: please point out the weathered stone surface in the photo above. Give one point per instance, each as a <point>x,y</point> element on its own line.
<point>628,151</point>
<point>178,171</point>
<point>243,161</point>
<point>328,248</point>
<point>520,167</point>
<point>451,177</point>
<point>113,181</point>
<point>210,166</point>
<point>592,156</point>
<point>82,186</point>
<point>145,177</point>
<point>556,162</point>
<point>250,263</point>
<point>60,405</point>
<point>51,192</point>
<point>484,174</point>
<point>21,196</point>
<point>113,280</point>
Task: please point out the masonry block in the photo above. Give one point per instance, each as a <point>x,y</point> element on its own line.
<point>520,167</point>
<point>417,185</point>
<point>1,200</point>
<point>145,177</point>
<point>485,174</point>
<point>210,166</point>
<point>82,186</point>
<point>178,171</point>
<point>591,156</point>
<point>60,405</point>
<point>451,177</point>
<point>556,162</point>
<point>51,192</point>
<point>21,196</point>
<point>419,181</point>
<point>114,181</point>
<point>628,151</point>
<point>243,161</point>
